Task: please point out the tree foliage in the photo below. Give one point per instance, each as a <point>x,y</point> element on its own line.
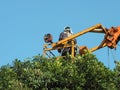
<point>40,73</point>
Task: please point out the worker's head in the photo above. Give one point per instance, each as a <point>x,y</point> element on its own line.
<point>68,29</point>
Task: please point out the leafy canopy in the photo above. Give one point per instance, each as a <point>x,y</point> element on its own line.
<point>40,73</point>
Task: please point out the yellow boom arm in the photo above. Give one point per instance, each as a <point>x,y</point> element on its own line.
<point>111,38</point>
<point>91,29</point>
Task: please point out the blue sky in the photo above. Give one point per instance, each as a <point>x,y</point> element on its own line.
<point>23,24</point>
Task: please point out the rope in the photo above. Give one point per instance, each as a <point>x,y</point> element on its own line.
<point>48,55</point>
<point>108,58</point>
<point>119,45</point>
<point>52,53</point>
<point>114,54</point>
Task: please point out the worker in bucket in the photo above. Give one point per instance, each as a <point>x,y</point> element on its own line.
<point>66,33</point>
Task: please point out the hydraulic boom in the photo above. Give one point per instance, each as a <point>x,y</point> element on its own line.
<point>111,38</point>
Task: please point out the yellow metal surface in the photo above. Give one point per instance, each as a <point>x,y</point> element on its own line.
<point>73,46</point>
<point>98,28</point>
<point>96,48</point>
<point>77,34</point>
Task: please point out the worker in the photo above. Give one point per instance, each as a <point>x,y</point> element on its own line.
<point>66,33</point>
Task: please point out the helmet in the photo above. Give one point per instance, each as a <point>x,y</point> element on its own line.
<point>67,29</point>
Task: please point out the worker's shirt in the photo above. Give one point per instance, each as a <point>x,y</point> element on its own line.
<point>64,35</point>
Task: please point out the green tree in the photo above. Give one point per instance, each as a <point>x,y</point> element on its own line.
<point>117,74</point>
<point>40,73</point>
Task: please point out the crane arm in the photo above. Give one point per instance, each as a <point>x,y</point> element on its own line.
<point>111,38</point>
<point>91,29</point>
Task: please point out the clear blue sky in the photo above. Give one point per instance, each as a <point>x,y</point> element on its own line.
<point>23,24</point>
